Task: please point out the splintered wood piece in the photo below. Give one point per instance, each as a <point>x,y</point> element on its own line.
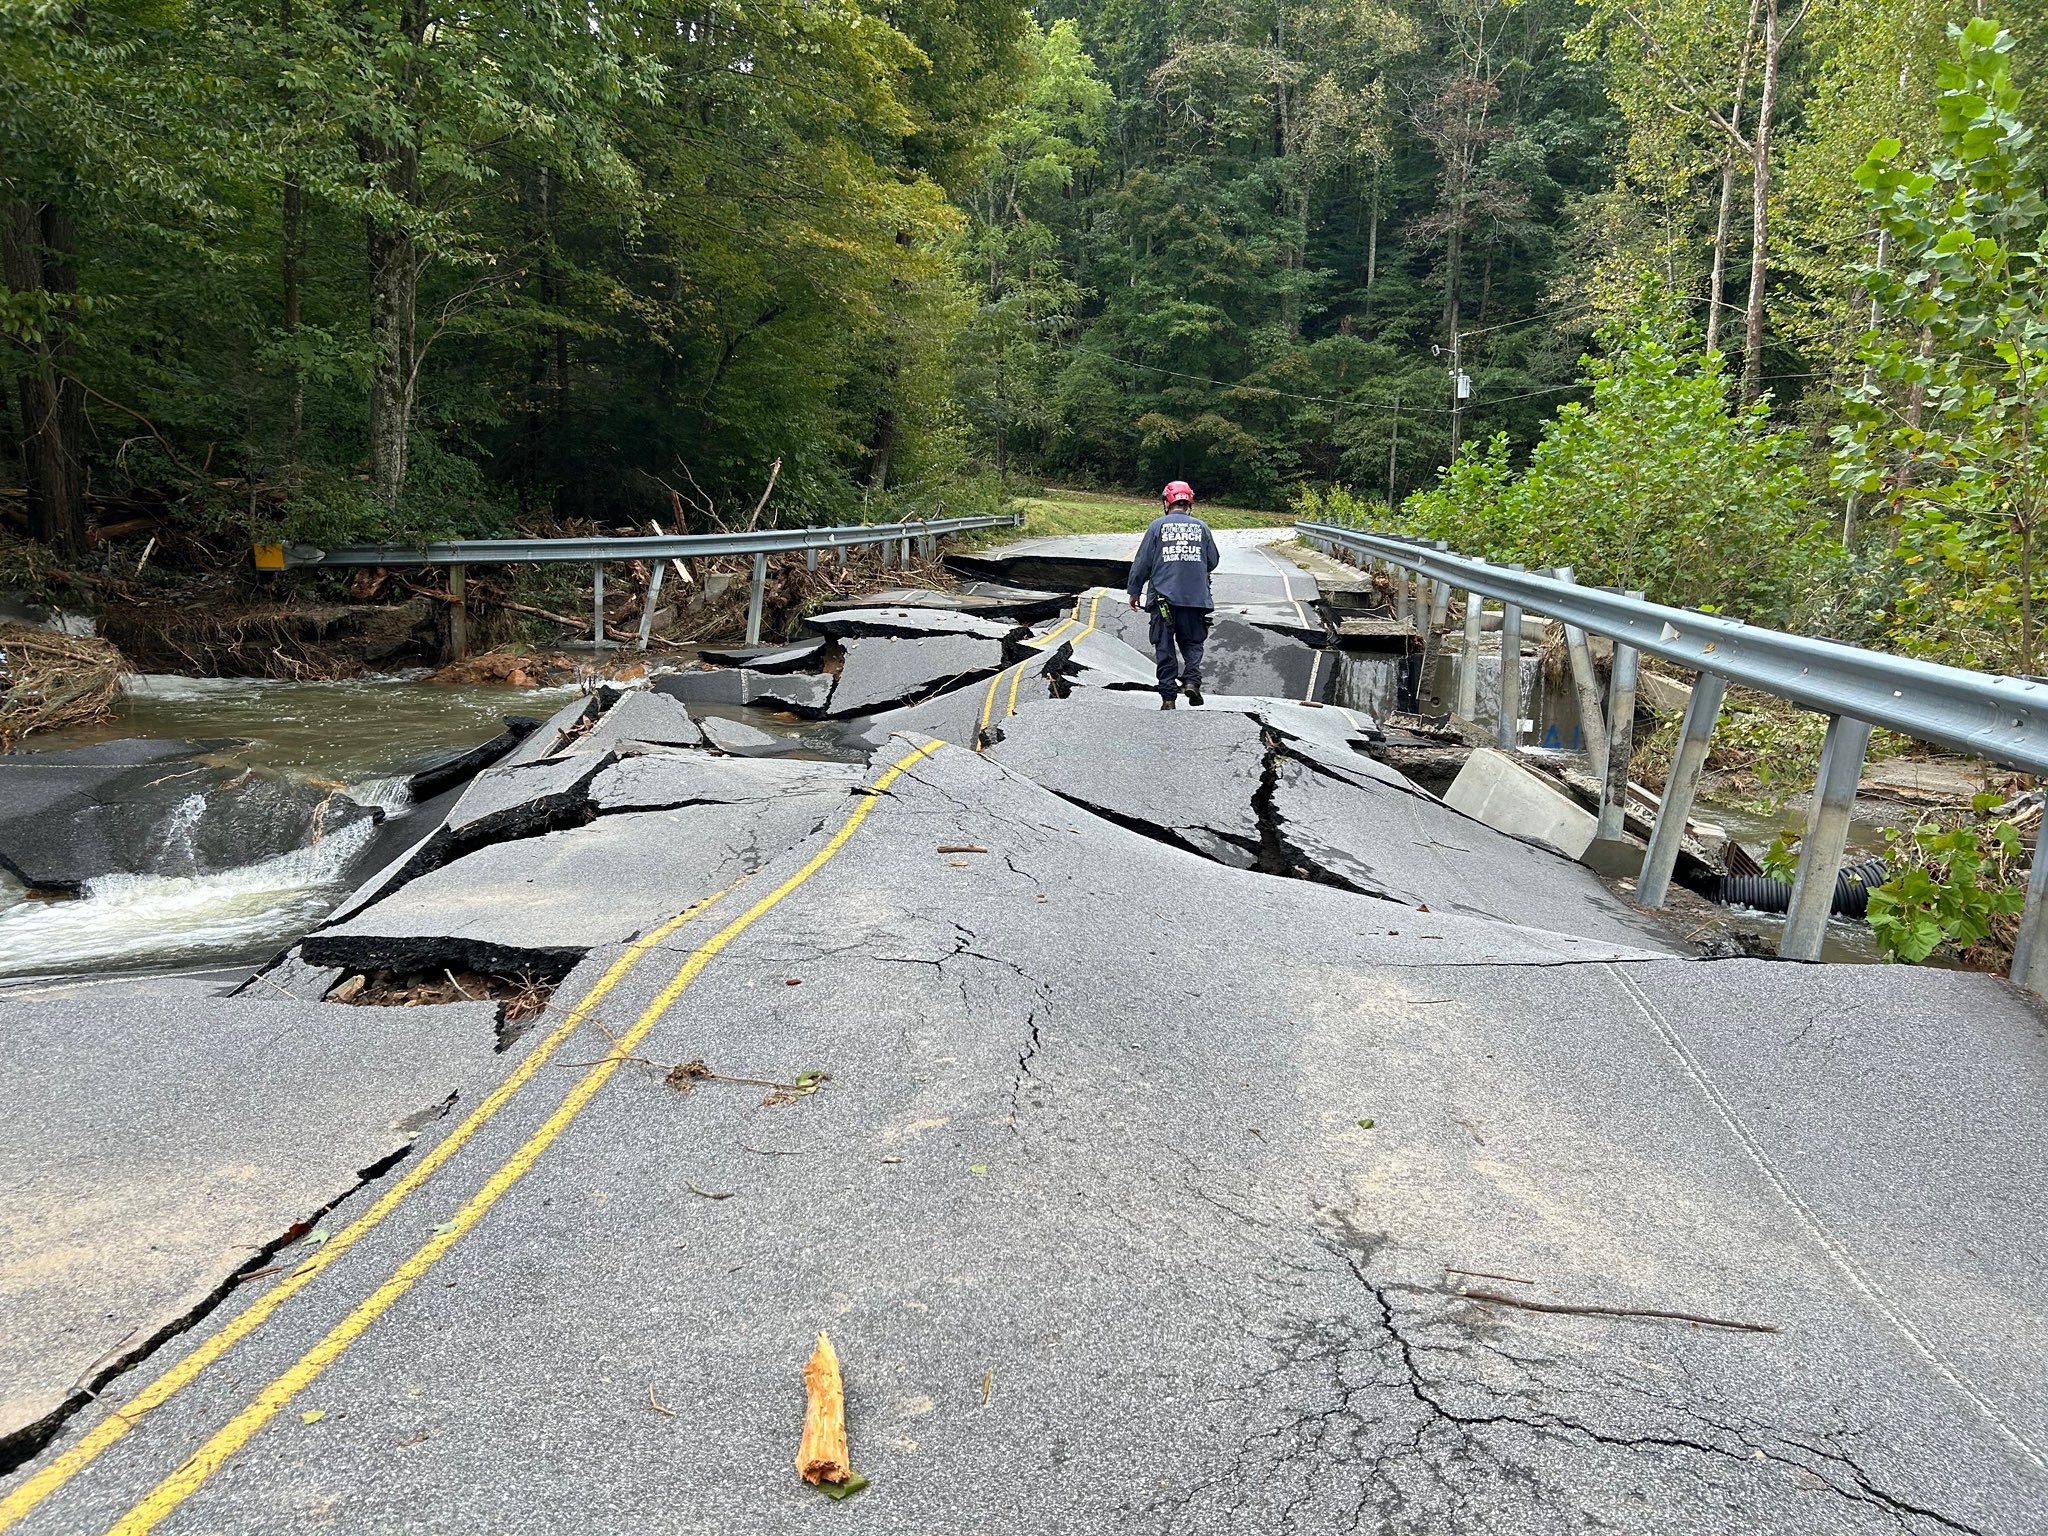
<point>821,1453</point>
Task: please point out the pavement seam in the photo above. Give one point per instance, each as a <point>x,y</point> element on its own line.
<point>1833,1246</point>
<point>166,1497</point>
<point>31,1492</point>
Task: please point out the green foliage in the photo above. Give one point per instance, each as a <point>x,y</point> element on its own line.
<point>1952,881</point>
<point>1658,483</point>
<point>1944,428</point>
<point>1781,859</point>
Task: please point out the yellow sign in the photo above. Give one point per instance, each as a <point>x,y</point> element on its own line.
<point>269,557</point>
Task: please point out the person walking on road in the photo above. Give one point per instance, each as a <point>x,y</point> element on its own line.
<point>1175,557</point>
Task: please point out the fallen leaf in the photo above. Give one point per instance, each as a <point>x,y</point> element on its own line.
<point>977,1167</point>
<point>988,1385</point>
<point>845,1490</point>
<point>1365,1125</point>
<point>314,1238</point>
<point>312,1415</point>
<point>444,1229</point>
<point>794,981</point>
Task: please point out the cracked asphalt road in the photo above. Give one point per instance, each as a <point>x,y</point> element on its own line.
<point>1146,1193</point>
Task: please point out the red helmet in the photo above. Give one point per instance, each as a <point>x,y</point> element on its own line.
<point>1178,491</point>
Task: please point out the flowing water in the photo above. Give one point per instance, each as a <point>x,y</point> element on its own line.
<point>366,735</point>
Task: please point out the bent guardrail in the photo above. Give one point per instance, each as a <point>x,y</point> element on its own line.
<point>2003,719</point>
<point>459,554</point>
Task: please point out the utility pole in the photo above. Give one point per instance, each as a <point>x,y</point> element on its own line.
<point>1393,444</point>
<point>1460,388</point>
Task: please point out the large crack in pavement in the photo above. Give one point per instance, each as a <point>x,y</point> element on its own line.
<point>1448,1464</point>
<point>27,1443</point>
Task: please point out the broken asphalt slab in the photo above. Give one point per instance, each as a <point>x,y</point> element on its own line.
<point>540,903</point>
<point>880,672</point>
<point>1401,844</point>
<point>844,623</point>
<point>640,715</point>
<point>160,1137</point>
<point>801,693</point>
<point>1120,1226</point>
<point>767,658</point>
<point>451,770</point>
<point>991,599</point>
<point>1193,781</point>
<point>667,781</point>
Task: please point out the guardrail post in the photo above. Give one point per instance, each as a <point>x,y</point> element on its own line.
<point>1621,736</point>
<point>1827,834</point>
<point>811,558</point>
<point>1402,610</point>
<point>1508,731</point>
<point>653,599</point>
<point>1586,683</point>
<point>458,615</point>
<point>597,606</point>
<point>2030,953</point>
<point>1468,659</point>
<point>755,596</point>
<point>1680,786</point>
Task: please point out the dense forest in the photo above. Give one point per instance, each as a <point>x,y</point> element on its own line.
<point>1735,290</point>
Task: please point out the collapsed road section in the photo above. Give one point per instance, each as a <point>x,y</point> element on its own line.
<point>1182,1123</point>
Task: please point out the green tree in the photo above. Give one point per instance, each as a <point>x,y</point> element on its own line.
<point>1945,430</point>
<point>1657,482</point>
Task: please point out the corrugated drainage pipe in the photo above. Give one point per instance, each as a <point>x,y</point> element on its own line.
<point>1765,894</point>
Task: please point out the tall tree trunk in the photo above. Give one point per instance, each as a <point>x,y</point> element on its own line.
<point>394,299</point>
<point>292,218</point>
<point>1760,208</point>
<point>880,449</point>
<point>36,244</point>
<point>395,261</point>
<point>1717,282</point>
<point>1372,246</point>
<point>293,254</point>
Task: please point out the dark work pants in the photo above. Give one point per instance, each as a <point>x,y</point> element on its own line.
<point>1186,629</point>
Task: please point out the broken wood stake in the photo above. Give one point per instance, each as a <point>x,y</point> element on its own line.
<point>821,1453</point>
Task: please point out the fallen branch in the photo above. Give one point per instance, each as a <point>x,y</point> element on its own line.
<point>624,637</point>
<point>1574,1310</point>
<point>773,470</point>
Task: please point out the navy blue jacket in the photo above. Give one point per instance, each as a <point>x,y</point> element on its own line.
<point>1176,555</point>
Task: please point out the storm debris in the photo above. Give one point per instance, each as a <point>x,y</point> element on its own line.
<point>821,1451</point>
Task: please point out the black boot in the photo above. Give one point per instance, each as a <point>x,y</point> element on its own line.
<point>1166,701</point>
<point>1194,686</point>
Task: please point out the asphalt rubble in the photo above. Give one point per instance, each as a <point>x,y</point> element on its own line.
<point>1222,1134</point>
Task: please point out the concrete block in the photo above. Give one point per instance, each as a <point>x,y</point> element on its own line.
<point>1666,695</point>
<point>1492,787</point>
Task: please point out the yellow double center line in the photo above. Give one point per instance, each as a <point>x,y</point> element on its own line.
<point>180,1485</point>
<point>1016,673</point>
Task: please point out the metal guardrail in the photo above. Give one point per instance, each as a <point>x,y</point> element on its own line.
<point>658,548</point>
<point>2003,719</point>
